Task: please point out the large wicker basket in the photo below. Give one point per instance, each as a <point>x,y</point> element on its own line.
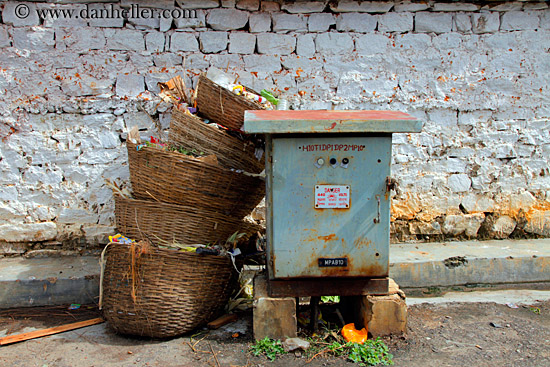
<point>163,293</point>
<point>221,106</point>
<point>172,177</point>
<point>146,219</point>
<point>191,133</point>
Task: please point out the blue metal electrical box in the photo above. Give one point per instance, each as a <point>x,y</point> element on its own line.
<point>328,197</point>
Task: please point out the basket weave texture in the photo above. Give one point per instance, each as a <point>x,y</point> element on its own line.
<point>146,219</point>
<point>222,106</point>
<point>191,133</point>
<point>175,291</point>
<point>173,177</point>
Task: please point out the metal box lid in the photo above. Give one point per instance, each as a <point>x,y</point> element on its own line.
<point>329,121</point>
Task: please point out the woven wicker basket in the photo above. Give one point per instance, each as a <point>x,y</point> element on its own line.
<point>191,133</point>
<point>172,177</point>
<point>163,293</point>
<point>221,106</point>
<point>146,219</point>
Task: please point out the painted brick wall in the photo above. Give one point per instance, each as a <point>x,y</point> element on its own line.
<point>477,73</point>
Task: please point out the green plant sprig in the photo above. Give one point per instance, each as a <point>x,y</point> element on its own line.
<point>371,353</point>
<point>271,348</point>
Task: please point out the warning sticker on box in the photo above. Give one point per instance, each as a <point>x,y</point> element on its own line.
<point>332,196</point>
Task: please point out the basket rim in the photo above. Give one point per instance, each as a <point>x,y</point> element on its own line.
<point>169,251</point>
<point>232,151</point>
<point>203,76</point>
<point>176,155</point>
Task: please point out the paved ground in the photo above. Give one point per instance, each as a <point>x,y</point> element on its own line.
<point>460,333</point>
<point>478,328</point>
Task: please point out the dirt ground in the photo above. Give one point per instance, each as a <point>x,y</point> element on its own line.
<point>460,334</point>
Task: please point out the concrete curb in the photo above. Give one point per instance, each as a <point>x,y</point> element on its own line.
<point>63,280</point>
<point>471,262</point>
<point>48,281</point>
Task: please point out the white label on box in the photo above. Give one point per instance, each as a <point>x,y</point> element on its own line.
<point>332,196</point>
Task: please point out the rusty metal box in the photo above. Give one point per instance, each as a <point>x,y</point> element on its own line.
<point>327,195</point>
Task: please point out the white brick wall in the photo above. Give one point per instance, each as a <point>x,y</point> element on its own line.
<point>476,73</point>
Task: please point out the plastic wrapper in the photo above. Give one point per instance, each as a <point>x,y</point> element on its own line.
<point>351,334</point>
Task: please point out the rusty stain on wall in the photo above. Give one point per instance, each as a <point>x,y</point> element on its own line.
<point>330,237</point>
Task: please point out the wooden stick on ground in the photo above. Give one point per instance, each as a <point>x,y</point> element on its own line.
<point>221,321</point>
<point>214,354</point>
<point>195,344</point>
<point>45,332</point>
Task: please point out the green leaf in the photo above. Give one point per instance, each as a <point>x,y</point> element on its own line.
<point>269,347</point>
<point>371,353</point>
<point>333,299</point>
<point>269,96</point>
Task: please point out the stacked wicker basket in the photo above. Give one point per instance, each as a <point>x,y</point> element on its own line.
<point>155,292</point>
